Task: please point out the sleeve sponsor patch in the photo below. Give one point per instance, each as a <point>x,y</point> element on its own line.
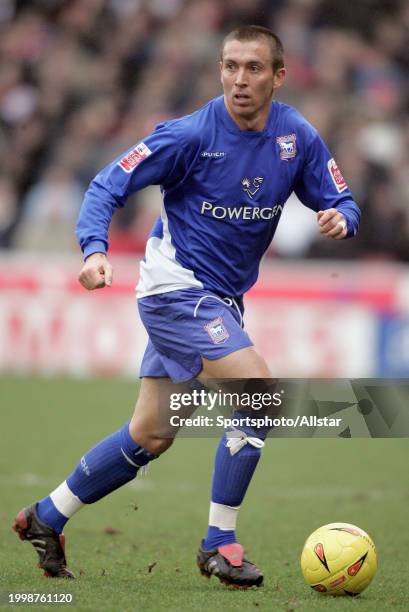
<point>134,157</point>
<point>336,175</point>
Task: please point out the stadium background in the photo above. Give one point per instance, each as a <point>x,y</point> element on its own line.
<point>82,80</point>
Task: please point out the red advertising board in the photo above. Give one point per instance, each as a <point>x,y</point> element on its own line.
<point>308,320</point>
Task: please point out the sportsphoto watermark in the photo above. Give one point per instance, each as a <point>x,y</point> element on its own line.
<point>345,408</point>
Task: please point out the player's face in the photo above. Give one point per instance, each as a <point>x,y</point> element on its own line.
<point>249,82</point>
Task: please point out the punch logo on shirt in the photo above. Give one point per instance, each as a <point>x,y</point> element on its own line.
<point>212,154</point>
<point>288,147</point>
<point>134,158</point>
<point>336,175</point>
<point>217,331</point>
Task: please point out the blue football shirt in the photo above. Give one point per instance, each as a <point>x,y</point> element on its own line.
<point>223,191</point>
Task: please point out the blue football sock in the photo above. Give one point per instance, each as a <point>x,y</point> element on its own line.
<point>218,537</point>
<point>231,478</point>
<point>106,467</point>
<point>48,514</point>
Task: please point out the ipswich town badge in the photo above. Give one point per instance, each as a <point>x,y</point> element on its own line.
<point>288,147</point>
<point>217,330</point>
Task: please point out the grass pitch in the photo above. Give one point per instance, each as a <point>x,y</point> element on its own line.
<point>135,550</point>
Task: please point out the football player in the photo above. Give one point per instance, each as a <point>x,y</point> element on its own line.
<point>225,173</point>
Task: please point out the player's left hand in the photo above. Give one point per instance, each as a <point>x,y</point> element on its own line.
<point>332,223</point>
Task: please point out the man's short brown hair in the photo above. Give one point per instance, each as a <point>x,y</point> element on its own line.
<point>254,32</point>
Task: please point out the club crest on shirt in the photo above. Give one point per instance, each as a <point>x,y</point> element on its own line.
<point>251,186</point>
<point>134,157</point>
<point>288,147</point>
<point>336,175</point>
<point>217,330</point>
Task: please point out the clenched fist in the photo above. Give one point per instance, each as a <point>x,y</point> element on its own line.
<point>96,272</point>
<point>332,223</point>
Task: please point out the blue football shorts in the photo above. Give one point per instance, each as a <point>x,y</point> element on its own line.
<point>186,325</point>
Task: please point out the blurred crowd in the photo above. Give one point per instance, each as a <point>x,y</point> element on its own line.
<point>83,80</point>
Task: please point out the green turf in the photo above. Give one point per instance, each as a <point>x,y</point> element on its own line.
<point>300,484</point>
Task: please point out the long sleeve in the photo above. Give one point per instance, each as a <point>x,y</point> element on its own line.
<point>158,160</point>
<point>322,186</point>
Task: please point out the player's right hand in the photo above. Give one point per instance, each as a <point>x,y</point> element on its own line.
<point>96,272</point>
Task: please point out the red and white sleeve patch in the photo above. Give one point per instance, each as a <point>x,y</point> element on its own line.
<point>134,157</point>
<point>336,175</point>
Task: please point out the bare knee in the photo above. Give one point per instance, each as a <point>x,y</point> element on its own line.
<point>149,426</point>
<point>149,438</point>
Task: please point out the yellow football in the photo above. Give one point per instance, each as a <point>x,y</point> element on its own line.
<point>339,559</point>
